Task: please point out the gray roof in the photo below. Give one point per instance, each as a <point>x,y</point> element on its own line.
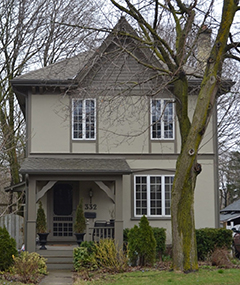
<point>234,207</point>
<point>63,70</point>
<point>229,216</point>
<point>75,166</point>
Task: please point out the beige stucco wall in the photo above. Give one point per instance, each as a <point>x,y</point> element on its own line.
<point>205,203</point>
<point>50,128</point>
<point>206,145</point>
<point>205,207</point>
<point>84,147</point>
<point>123,124</point>
<point>122,127</point>
<point>50,133</point>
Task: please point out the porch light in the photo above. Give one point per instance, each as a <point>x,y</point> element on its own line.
<point>90,193</point>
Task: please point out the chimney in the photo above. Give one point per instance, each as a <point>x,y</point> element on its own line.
<point>204,47</point>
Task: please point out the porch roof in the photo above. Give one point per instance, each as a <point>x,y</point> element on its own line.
<point>78,166</point>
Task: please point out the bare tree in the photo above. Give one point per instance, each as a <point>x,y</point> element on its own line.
<point>29,35</point>
<point>188,21</point>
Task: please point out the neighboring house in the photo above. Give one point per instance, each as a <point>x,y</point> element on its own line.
<point>230,216</point>
<point>102,127</point>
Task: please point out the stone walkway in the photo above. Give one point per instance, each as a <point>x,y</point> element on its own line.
<point>58,277</point>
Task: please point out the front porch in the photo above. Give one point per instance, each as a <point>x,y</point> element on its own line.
<point>100,189</point>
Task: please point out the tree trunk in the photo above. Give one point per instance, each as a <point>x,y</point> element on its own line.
<point>183,224</point>
<point>187,169</point>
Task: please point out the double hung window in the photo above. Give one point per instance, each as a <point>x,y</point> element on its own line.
<point>162,119</point>
<point>152,195</point>
<point>84,119</point>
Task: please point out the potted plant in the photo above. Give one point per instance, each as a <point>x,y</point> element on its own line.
<point>80,223</point>
<point>41,226</point>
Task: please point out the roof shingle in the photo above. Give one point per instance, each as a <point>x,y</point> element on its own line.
<point>75,166</point>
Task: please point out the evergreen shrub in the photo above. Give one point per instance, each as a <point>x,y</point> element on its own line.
<point>160,237</point>
<point>208,239</point>
<point>80,222</point>
<point>41,222</point>
<point>142,244</point>
<point>84,257</point>
<point>125,235</point>
<point>7,249</point>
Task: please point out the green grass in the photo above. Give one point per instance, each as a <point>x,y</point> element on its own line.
<point>145,277</point>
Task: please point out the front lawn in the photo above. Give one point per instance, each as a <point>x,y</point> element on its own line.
<point>155,277</point>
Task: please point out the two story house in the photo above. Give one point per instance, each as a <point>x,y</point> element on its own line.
<point>101,126</point>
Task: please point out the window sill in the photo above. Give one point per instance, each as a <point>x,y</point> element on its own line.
<point>151,218</point>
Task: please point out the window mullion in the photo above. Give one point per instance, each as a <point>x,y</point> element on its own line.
<point>163,195</point>
<point>84,119</point>
<point>148,196</point>
<point>162,118</point>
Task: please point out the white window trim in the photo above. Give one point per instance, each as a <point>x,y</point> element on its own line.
<point>148,196</point>
<point>84,118</point>
<point>162,122</point>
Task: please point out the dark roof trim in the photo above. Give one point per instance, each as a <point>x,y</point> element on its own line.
<point>16,188</point>
<point>52,83</point>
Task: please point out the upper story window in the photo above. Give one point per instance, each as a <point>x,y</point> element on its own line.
<point>162,119</point>
<point>152,195</point>
<point>84,119</point>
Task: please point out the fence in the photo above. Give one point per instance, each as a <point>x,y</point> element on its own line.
<point>15,225</point>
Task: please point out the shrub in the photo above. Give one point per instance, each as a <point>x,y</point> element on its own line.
<point>125,235</point>
<point>7,249</point>
<point>84,256</point>
<point>80,222</point>
<point>220,257</point>
<point>110,257</point>
<point>103,255</point>
<point>208,239</point>
<point>90,245</point>
<point>41,222</point>
<point>125,238</point>
<point>29,266</point>
<point>133,245</point>
<point>160,237</point>
<point>142,244</point>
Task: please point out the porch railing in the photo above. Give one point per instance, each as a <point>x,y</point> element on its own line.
<point>102,230</point>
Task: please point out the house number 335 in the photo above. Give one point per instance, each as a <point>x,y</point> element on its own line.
<point>90,206</point>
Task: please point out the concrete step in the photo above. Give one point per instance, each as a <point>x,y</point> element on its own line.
<point>58,265</point>
<point>59,261</point>
<point>58,257</point>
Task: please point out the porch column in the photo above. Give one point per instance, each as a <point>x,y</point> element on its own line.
<point>30,235</point>
<point>119,212</point>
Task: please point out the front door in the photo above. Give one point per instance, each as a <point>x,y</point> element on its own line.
<point>62,212</point>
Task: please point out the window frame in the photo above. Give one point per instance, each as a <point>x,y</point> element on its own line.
<point>84,122</point>
<point>148,200</point>
<point>161,121</point>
